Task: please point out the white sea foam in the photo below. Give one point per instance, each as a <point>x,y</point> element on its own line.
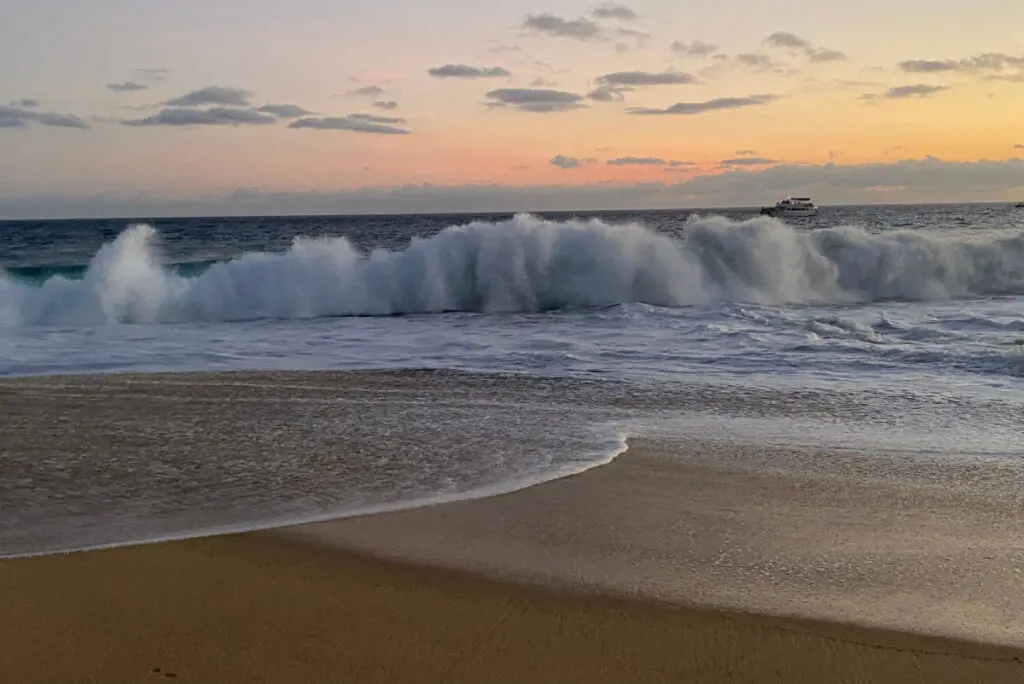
<point>525,264</point>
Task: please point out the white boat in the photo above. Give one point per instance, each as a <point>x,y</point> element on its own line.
<point>793,207</point>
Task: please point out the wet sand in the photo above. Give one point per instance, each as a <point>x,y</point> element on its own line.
<point>682,560</point>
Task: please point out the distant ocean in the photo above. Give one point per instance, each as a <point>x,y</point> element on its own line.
<point>904,306</point>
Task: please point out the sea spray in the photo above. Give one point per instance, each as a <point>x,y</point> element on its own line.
<point>524,264</point>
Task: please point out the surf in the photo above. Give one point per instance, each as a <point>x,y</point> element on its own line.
<point>524,264</point>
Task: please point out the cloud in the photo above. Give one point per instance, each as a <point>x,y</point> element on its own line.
<point>695,48</point>
<point>847,83</point>
<point>747,161</point>
<point>1018,146</point>
<point>126,87</point>
<point>928,66</point>
<point>608,93</point>
<point>904,92</point>
<point>534,99</point>
<point>212,95</point>
<point>613,10</point>
<point>563,162</point>
<point>922,180</point>
<point>759,62</point>
<point>215,116</point>
<point>23,117</point>
<point>1009,78</point>
<point>989,61</point>
<point>826,55</point>
<point>552,25</point>
<point>746,153</point>
<point>466,71</point>
<point>687,108</point>
<point>386,104</point>
<point>647,161</point>
<point>784,40</point>
<point>755,60</point>
<point>357,123</point>
<point>906,180</point>
<point>26,102</point>
<point>636,161</point>
<point>284,111</point>
<point>645,78</point>
<point>540,82</point>
<point>375,118</point>
<point>369,91</point>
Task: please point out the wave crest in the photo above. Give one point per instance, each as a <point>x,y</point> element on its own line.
<point>523,264</point>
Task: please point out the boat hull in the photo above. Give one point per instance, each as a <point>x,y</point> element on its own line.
<point>790,213</point>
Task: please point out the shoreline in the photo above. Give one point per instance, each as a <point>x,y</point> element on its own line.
<point>501,489</point>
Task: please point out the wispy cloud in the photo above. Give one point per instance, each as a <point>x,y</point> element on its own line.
<point>717,104</point>
<point>1008,78</point>
<point>564,162</point>
<point>904,92</point>
<point>748,161</point>
<point>553,25</point>
<point>536,100</point>
<point>785,40</point>
<point>849,83</point>
<point>990,61</point>
<point>613,10</point>
<point>369,91</point>
<point>645,78</point>
<point>646,161</point>
<point>214,116</point>
<point>24,117</point>
<point>755,60</point>
<point>921,180</point>
<point>746,153</point>
<point>376,118</point>
<point>212,95</point>
<point>466,71</point>
<point>612,87</point>
<point>126,87</point>
<point>1019,146</point>
<point>356,123</point>
<point>284,111</point>
<point>26,102</point>
<point>696,48</point>
<point>387,105</point>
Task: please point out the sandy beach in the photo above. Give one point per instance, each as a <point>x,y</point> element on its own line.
<point>259,608</point>
<point>681,560</point>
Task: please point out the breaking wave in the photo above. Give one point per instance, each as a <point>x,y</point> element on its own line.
<point>522,264</point>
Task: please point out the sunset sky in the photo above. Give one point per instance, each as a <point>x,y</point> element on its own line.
<point>114,107</point>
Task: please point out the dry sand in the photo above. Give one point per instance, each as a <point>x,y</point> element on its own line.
<point>259,608</point>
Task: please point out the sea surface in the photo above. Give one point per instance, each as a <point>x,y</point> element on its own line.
<point>901,327</point>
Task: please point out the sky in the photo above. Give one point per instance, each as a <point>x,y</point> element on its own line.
<point>141,107</point>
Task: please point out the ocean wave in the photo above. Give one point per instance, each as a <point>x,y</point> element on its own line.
<point>522,264</point>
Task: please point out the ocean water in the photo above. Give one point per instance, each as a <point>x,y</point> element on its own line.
<point>903,324</point>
